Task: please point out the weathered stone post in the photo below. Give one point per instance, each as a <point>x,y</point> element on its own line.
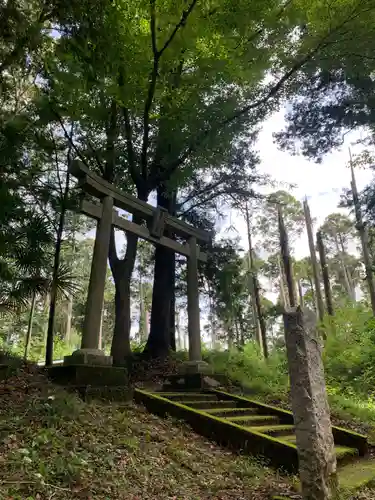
<point>193,303</point>
<point>89,352</point>
<point>316,453</point>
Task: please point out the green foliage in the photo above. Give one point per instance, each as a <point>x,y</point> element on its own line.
<point>349,350</point>
<point>248,368</point>
<point>267,219</point>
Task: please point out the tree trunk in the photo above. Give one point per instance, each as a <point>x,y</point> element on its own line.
<point>283,297</point>
<point>312,293</point>
<point>230,336</point>
<point>287,262</point>
<point>314,262</point>
<point>257,332</point>
<point>122,270</point>
<point>159,340</point>
<point>56,260</point>
<point>341,252</point>
<point>143,326</point>
<point>55,272</point>
<point>69,317</point>
<point>325,273</point>
<point>300,294</point>
<point>363,232</point>
<point>211,318</point>
<point>29,327</point>
<point>260,324</point>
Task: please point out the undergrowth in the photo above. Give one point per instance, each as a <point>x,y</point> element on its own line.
<point>55,446</point>
<point>349,360</point>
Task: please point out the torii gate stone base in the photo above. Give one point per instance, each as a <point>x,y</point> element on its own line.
<point>158,222</point>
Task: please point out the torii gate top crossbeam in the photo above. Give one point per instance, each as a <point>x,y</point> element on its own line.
<point>99,188</point>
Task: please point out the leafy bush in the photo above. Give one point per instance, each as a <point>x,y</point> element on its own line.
<point>349,354</point>
<point>249,369</point>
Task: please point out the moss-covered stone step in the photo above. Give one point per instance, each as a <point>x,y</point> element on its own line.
<point>344,454</point>
<point>249,426</point>
<point>277,430</point>
<point>209,404</point>
<point>357,474</point>
<point>186,396</point>
<point>253,420</point>
<point>231,412</point>
<point>341,436</point>
<point>223,431</point>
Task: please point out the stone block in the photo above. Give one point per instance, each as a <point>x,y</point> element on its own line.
<point>94,357</point>
<point>195,367</point>
<point>88,375</point>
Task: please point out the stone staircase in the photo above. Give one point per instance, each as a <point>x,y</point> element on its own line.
<point>258,429</point>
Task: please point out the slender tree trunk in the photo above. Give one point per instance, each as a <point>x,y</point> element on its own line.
<point>212,320</point>
<point>262,322</point>
<point>325,273</point>
<point>143,326</point>
<point>69,309</point>
<point>159,340</point>
<point>255,288</point>
<point>341,253</point>
<point>287,261</point>
<point>300,294</point>
<point>242,331</point>
<point>56,261</point>
<point>29,327</point>
<point>55,272</point>
<point>178,331</point>
<point>314,262</point>
<point>363,232</point>
<point>283,297</point>
<point>313,293</point>
<point>258,334</point>
<point>230,336</point>
<point>69,317</point>
<point>237,330</point>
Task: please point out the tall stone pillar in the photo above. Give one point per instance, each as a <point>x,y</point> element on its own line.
<point>315,445</point>
<point>195,365</point>
<point>193,303</point>
<point>89,352</point>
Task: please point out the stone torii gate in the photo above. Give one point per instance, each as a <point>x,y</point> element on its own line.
<point>158,220</point>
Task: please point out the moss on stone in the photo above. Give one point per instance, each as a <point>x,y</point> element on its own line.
<point>88,375</point>
<point>357,475</point>
<point>279,453</point>
<point>341,436</point>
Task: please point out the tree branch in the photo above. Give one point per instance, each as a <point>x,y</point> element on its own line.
<point>262,29</point>
<point>57,164</point>
<point>166,174</point>
<point>112,134</point>
<point>208,187</point>
<point>129,138</point>
<point>154,75</point>
<point>180,24</point>
<point>150,93</point>
<point>70,139</point>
